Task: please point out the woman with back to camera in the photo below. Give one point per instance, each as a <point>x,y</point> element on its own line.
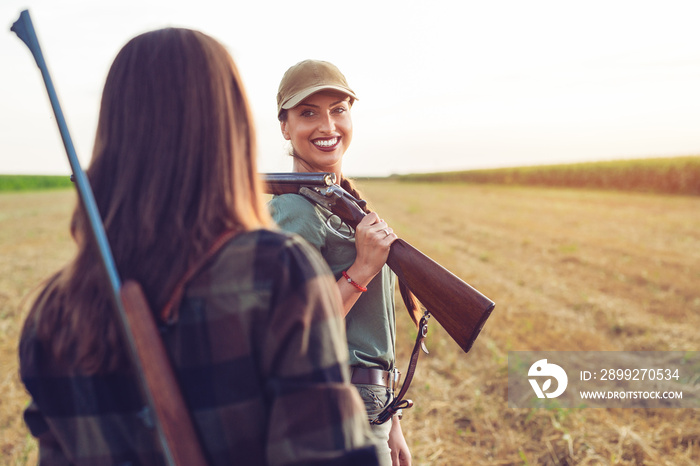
<point>313,103</point>
<point>256,341</point>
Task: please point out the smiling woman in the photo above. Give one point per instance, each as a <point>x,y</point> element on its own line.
<point>313,107</point>
<point>314,102</point>
<point>320,130</point>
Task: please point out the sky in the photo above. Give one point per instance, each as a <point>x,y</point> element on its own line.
<point>442,85</point>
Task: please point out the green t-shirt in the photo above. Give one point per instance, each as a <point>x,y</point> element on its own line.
<point>370,324</point>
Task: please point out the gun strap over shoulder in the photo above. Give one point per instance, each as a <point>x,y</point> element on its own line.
<point>169,313</point>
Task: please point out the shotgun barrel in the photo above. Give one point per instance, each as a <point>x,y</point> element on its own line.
<point>287,183</point>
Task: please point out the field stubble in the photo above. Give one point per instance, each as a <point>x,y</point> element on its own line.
<point>34,242</point>
<point>568,269</point>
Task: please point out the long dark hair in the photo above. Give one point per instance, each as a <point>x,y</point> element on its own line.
<point>173,167</point>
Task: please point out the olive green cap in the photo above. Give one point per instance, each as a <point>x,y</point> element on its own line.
<point>308,77</point>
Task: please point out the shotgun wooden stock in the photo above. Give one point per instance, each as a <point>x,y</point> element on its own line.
<point>457,306</point>
<point>168,402</point>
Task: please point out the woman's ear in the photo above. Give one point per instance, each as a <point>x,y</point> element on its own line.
<point>285,133</point>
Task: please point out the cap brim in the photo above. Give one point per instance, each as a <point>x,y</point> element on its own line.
<point>296,99</point>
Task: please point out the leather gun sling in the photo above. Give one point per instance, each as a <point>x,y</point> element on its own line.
<point>399,402</point>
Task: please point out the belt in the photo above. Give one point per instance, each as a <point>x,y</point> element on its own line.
<point>372,376</point>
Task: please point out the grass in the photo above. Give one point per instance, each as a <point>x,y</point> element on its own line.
<point>33,182</point>
<point>569,269</point>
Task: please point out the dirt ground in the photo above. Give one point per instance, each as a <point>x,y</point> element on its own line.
<point>569,270</point>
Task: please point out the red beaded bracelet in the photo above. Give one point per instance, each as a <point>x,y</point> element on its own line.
<point>353,282</point>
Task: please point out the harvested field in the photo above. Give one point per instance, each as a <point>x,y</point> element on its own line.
<point>34,242</point>
<point>568,270</point>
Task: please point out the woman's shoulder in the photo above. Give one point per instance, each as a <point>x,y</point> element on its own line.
<point>297,214</point>
<point>262,240</point>
<point>267,250</point>
<point>267,238</point>
<point>287,203</point>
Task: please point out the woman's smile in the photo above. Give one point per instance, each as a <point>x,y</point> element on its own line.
<point>320,130</point>
<point>326,144</point>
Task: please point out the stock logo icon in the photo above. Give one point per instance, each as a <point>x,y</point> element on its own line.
<point>543,369</point>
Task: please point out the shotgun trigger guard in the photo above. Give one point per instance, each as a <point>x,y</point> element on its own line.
<point>326,199</point>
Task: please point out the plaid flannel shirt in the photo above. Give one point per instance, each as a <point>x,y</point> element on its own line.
<point>259,349</point>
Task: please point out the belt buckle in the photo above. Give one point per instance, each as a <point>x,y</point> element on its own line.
<point>396,377</point>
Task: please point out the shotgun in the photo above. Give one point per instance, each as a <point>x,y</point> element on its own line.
<point>176,434</point>
<point>460,309</point>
